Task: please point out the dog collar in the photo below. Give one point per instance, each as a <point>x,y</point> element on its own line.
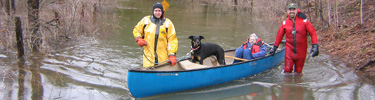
<point>195,48</point>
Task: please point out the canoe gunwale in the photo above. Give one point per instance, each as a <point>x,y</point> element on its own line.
<point>151,71</point>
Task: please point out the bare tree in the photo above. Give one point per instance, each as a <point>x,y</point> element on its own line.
<point>7,7</point>
<point>1,3</point>
<point>13,6</point>
<point>316,10</point>
<point>308,8</point>
<point>329,12</point>
<point>33,19</point>
<point>94,13</point>
<point>10,7</point>
<point>361,12</point>
<point>336,15</point>
<point>321,13</point>
<point>19,37</point>
<point>252,6</point>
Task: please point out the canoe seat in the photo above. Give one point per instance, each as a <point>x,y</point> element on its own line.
<point>187,65</point>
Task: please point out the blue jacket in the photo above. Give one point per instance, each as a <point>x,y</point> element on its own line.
<point>261,53</point>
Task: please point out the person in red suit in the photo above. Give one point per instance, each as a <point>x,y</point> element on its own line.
<point>296,29</point>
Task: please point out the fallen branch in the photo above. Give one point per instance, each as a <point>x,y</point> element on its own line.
<point>369,63</point>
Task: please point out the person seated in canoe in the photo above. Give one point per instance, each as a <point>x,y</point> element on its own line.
<point>251,49</point>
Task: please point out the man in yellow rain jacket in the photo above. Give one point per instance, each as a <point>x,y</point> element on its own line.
<point>157,35</point>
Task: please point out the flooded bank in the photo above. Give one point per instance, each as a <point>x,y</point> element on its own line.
<point>97,68</point>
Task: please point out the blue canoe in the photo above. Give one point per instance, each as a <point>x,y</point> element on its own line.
<point>186,75</point>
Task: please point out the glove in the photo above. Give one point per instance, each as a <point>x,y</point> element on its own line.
<point>172,59</point>
<point>273,50</point>
<point>314,50</point>
<point>141,42</point>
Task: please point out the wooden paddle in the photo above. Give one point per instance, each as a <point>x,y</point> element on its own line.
<point>236,58</point>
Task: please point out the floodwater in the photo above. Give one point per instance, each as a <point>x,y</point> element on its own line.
<point>97,69</point>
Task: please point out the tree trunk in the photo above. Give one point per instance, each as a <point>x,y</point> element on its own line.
<point>83,11</point>
<point>361,12</point>
<point>100,5</point>
<point>252,6</point>
<point>308,9</point>
<point>13,6</point>
<point>19,37</point>
<point>1,4</point>
<point>336,15</point>
<point>7,7</point>
<point>329,12</point>
<point>94,14</point>
<point>321,13</point>
<point>33,19</point>
<point>316,11</point>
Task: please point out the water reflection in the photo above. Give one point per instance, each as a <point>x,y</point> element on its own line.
<point>290,92</point>
<point>35,81</point>
<point>221,91</point>
<point>21,78</point>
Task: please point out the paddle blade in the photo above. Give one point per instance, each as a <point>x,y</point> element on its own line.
<point>165,5</point>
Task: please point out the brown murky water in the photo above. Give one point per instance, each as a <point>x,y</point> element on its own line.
<point>97,69</point>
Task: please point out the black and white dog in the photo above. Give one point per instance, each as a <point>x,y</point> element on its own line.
<point>204,50</point>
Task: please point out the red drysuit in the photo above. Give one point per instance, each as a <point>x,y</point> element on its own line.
<point>296,45</point>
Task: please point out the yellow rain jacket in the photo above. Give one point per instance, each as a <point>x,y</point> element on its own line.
<point>159,37</point>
